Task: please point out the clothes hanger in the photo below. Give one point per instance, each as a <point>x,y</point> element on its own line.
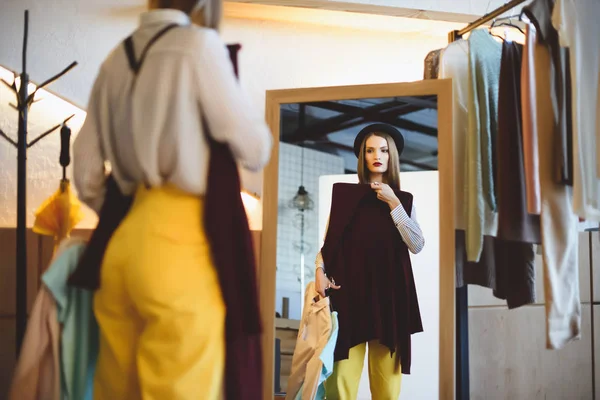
<point>511,26</point>
<point>493,34</point>
<point>509,23</point>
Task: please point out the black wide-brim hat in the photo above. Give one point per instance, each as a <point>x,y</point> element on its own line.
<point>379,128</point>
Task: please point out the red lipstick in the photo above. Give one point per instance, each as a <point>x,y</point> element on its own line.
<point>377,164</point>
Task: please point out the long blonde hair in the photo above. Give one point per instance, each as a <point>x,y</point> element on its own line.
<point>392,175</point>
<point>207,13</point>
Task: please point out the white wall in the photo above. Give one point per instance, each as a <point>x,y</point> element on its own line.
<point>274,56</point>
<point>43,169</point>
<point>423,382</point>
<point>316,163</point>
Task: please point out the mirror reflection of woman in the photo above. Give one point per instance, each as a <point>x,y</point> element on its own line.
<point>378,148</point>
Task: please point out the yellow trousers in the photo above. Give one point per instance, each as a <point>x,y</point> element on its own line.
<point>384,382</point>
<point>159,307</point>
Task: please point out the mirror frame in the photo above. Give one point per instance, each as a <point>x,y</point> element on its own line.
<point>267,270</point>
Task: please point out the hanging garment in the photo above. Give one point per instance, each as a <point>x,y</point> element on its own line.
<point>517,229</point>
<point>227,231</point>
<point>514,222</point>
<point>79,336</point>
<point>38,374</point>
<point>431,64</point>
<point>578,29</point>
<point>315,336</point>
<point>506,267</point>
<point>162,337</point>
<point>515,272</point>
<point>327,356</point>
<point>365,254</point>
<point>528,128</point>
<point>539,13</point>
<point>484,72</point>
<point>560,240</point>
<point>454,64</point>
<point>482,272</point>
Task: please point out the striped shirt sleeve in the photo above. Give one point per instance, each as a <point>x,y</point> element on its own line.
<point>409,228</point>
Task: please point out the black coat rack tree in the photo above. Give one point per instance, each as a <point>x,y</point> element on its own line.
<point>24,102</point>
<point>462,300</point>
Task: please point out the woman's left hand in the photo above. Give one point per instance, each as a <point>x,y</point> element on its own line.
<point>385,194</point>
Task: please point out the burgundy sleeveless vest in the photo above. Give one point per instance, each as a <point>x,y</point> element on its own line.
<point>365,254</point>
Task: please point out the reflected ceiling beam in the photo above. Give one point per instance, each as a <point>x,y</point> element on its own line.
<point>424,102</point>
<point>334,124</point>
<point>335,106</point>
<point>318,131</point>
<point>410,125</point>
<point>397,106</point>
<point>424,167</point>
<point>354,110</point>
<point>353,116</point>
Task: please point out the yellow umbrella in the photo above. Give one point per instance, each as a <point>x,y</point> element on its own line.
<point>59,214</point>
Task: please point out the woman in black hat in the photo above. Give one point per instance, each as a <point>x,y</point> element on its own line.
<point>371,230</point>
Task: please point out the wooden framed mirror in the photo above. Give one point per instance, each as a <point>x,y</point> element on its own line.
<point>330,117</point>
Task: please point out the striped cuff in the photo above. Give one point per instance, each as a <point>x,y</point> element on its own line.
<point>399,215</point>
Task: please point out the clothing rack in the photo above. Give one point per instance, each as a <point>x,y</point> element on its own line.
<point>462,299</point>
<point>24,102</point>
<point>457,34</point>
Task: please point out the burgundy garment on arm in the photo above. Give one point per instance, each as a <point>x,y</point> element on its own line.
<point>365,254</point>
<point>228,232</point>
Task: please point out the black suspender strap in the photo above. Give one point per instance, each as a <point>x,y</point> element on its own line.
<point>129,50</point>
<point>134,64</point>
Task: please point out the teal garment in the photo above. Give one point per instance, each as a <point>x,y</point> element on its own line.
<point>485,56</point>
<point>79,336</point>
<point>327,356</point>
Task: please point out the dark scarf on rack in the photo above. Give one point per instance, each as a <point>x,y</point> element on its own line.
<point>227,229</point>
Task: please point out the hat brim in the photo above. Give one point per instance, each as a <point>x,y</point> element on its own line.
<point>379,128</point>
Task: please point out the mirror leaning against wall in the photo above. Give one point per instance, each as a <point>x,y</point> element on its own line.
<point>351,210</point>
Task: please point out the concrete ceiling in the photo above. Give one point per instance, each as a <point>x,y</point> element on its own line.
<point>331,127</point>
